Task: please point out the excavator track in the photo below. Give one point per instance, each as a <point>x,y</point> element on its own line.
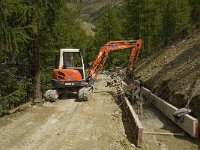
<point>84,93</point>
<point>51,95</point>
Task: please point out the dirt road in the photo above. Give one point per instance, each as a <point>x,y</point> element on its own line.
<point>97,124</point>
<point>67,124</point>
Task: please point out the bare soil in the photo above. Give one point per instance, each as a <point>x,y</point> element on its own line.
<point>97,124</point>
<point>173,73</point>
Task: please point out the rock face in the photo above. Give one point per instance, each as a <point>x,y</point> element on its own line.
<point>173,73</point>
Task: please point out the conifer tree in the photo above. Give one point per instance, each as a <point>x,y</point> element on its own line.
<point>31,33</point>
<point>183,15</point>
<point>132,12</point>
<point>169,21</point>
<point>109,28</point>
<point>195,12</point>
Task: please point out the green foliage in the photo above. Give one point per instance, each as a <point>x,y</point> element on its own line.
<point>13,27</point>
<point>195,4</point>
<point>132,13</point>
<point>109,28</point>
<point>169,21</point>
<point>60,29</point>
<point>176,18</point>
<point>156,22</point>
<point>183,13</point>
<point>144,21</point>
<point>13,99</point>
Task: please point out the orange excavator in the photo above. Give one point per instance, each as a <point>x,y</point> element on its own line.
<point>111,46</point>
<point>69,75</point>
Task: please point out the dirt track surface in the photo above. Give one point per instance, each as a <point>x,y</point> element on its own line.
<point>67,124</point>
<point>97,124</point>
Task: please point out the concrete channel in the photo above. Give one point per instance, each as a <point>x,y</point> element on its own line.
<point>187,123</point>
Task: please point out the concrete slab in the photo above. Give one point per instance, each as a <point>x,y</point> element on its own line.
<point>135,122</point>
<point>188,123</point>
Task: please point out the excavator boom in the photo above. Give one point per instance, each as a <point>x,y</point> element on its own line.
<point>111,46</point>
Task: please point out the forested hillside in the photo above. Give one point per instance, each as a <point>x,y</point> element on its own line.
<point>32,32</point>
<point>157,23</point>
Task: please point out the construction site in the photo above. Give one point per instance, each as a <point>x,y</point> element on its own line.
<point>146,113</point>
<point>148,101</point>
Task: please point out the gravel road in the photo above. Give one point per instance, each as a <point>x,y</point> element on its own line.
<point>96,124</point>
<point>67,124</point>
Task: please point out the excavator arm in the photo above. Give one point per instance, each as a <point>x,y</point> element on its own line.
<point>111,46</point>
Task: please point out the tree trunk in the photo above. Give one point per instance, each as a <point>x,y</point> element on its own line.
<point>36,63</point>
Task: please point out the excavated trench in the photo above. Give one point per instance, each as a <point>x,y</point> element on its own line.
<point>179,100</point>
<point>153,121</point>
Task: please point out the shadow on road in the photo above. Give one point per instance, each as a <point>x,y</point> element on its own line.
<point>66,96</point>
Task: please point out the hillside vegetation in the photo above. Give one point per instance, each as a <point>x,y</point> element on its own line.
<point>156,23</point>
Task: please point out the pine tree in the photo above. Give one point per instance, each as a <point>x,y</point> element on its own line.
<point>108,29</point>
<point>144,20</point>
<point>29,32</point>
<point>195,14</point>
<point>14,36</point>
<point>183,16</point>
<point>13,27</point>
<point>132,12</point>
<point>148,24</point>
<point>169,21</point>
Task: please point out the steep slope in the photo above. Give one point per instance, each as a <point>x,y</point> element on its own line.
<point>90,11</point>
<point>173,73</point>
<point>90,7</point>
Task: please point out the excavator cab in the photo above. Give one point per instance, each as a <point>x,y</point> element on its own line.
<point>70,71</point>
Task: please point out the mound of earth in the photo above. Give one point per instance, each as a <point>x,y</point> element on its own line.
<point>173,73</point>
